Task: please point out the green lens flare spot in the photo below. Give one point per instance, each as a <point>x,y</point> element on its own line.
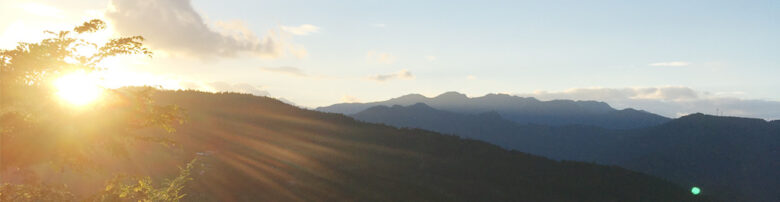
<point>695,191</point>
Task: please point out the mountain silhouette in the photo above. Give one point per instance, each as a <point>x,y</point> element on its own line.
<point>736,158</point>
<point>521,110</point>
<point>571,142</point>
<point>260,149</point>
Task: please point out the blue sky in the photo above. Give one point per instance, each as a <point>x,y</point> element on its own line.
<point>374,50</point>
<point>730,45</point>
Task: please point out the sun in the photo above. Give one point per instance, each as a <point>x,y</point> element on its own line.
<point>78,88</point>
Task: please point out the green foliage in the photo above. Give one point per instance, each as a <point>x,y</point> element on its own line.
<point>32,63</point>
<point>36,129</point>
<point>36,192</point>
<point>30,114</point>
<point>124,188</point>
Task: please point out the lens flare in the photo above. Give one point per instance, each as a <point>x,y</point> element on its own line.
<point>695,191</point>
<point>78,88</point>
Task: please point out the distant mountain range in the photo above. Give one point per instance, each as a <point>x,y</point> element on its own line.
<point>521,110</point>
<point>736,159</point>
<point>260,149</point>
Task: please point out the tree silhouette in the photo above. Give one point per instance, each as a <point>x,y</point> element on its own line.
<point>35,129</point>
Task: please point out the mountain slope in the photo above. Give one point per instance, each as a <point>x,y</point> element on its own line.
<point>521,110</point>
<point>735,158</point>
<point>738,158</point>
<point>579,143</point>
<point>258,148</point>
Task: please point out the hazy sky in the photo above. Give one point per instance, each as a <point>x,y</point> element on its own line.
<point>317,53</point>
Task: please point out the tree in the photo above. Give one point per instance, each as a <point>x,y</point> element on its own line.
<point>36,129</point>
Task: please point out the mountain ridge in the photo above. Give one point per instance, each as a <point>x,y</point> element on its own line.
<point>264,149</point>
<point>686,150</point>
<point>520,109</point>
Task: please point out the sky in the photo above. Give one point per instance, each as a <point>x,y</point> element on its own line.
<point>668,57</point>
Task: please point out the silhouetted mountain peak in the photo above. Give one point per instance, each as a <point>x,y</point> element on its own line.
<point>410,97</point>
<point>701,116</point>
<point>520,109</point>
<point>498,95</point>
<point>633,110</point>
<point>596,105</point>
<point>693,115</point>
<point>719,121</point>
<point>452,95</point>
<point>420,105</point>
<point>506,97</point>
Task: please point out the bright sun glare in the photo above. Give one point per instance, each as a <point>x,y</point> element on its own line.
<point>78,88</point>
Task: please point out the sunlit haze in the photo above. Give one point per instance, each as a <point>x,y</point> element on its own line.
<point>399,100</point>
<point>693,56</point>
<point>78,88</point>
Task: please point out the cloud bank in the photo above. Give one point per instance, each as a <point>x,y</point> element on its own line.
<point>669,101</point>
<point>174,26</point>
<point>403,74</point>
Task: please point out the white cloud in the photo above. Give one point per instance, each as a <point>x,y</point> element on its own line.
<point>670,101</point>
<point>285,70</point>
<point>304,29</point>
<point>668,94</point>
<point>670,64</point>
<point>471,77</point>
<point>379,25</point>
<point>174,26</point>
<point>430,58</point>
<point>380,57</point>
<point>349,99</point>
<point>403,74</point>
<point>40,9</point>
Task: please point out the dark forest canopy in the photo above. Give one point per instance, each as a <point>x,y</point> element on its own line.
<point>734,158</point>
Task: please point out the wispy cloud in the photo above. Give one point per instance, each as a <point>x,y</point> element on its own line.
<point>670,64</point>
<point>430,58</point>
<point>379,25</point>
<point>175,27</point>
<point>471,77</point>
<point>285,70</point>
<point>403,74</point>
<point>304,29</point>
<point>380,57</point>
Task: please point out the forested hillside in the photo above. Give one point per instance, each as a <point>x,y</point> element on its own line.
<point>260,148</point>
<point>734,158</point>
